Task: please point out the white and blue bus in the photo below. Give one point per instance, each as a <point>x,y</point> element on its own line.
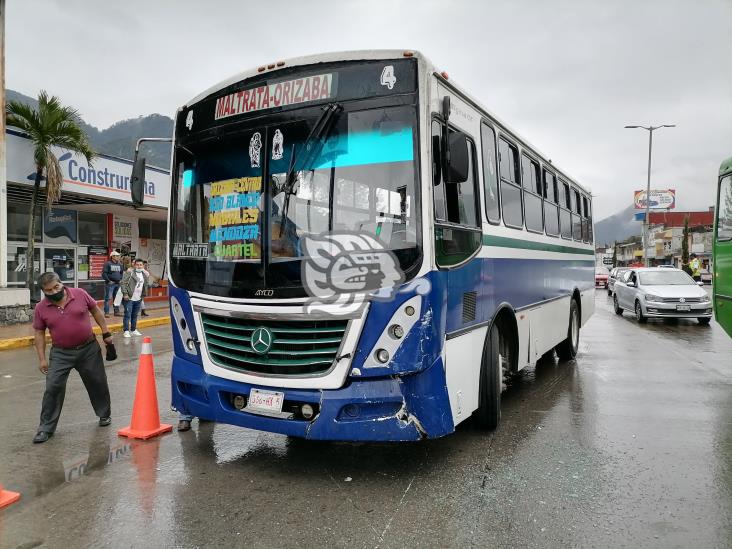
<point>492,243</point>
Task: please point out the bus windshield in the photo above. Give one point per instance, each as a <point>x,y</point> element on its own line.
<point>239,220</point>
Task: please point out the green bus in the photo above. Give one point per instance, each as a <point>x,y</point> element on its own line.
<point>723,248</point>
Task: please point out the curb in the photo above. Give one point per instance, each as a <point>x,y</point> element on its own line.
<point>27,341</point>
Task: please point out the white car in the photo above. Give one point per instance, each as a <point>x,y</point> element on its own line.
<point>661,293</point>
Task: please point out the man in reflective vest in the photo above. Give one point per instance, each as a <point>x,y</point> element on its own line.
<point>695,265</point>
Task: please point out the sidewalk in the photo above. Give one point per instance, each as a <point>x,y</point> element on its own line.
<point>21,335</point>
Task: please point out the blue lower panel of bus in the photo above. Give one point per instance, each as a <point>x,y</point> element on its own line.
<point>392,408</point>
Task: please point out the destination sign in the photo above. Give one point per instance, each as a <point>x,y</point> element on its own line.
<point>277,94</point>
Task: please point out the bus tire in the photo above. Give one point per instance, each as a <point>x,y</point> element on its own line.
<point>488,414</point>
<point>567,349</point>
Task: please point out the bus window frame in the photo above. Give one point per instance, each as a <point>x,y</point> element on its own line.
<point>518,185</point>
<point>554,202</point>
<point>533,162</point>
<point>439,223</point>
<point>485,122</point>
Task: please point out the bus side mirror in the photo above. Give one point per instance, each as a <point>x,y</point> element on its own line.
<point>459,165</point>
<point>137,182</point>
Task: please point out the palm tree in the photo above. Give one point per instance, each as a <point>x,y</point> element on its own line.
<point>51,124</point>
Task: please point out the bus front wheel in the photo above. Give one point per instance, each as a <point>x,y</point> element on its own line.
<point>567,349</point>
<point>488,414</point>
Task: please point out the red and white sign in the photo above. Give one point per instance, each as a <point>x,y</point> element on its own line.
<point>279,94</point>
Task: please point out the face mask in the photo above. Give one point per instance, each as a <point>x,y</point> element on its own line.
<point>58,296</point>
<point>138,270</point>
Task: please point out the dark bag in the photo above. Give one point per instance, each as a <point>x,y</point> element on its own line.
<point>111,351</point>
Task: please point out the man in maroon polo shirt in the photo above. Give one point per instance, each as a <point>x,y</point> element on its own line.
<point>65,313</point>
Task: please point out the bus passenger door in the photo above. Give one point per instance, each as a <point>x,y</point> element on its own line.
<point>458,237</point>
<point>722,279</point>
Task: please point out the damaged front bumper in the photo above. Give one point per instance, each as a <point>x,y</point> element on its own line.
<point>394,408</point>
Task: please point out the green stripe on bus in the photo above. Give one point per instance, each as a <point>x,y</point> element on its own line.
<point>505,242</point>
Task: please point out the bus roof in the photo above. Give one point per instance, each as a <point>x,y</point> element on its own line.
<point>364,55</point>
<point>726,166</point>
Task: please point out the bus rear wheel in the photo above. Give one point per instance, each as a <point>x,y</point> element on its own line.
<point>567,349</point>
<point>488,414</point>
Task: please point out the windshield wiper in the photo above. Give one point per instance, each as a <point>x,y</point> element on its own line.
<point>315,137</point>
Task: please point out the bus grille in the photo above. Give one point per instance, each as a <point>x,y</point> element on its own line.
<point>296,347</point>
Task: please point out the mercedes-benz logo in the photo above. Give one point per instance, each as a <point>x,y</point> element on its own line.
<point>261,340</point>
<point>682,300</point>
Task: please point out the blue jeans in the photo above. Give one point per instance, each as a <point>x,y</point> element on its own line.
<point>109,291</point>
<point>132,308</point>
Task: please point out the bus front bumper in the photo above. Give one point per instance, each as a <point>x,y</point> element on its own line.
<point>362,410</point>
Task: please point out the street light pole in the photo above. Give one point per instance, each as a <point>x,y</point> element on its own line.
<point>648,184</point>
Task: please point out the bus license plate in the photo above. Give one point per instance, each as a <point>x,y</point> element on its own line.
<point>684,308</point>
<point>267,401</point>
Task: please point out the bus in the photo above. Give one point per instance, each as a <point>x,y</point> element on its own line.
<point>359,251</point>
<point>722,288</point>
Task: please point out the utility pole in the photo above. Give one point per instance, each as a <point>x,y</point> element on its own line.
<point>648,184</point>
<point>3,161</point>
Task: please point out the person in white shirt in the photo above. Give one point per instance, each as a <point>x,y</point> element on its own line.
<point>134,287</point>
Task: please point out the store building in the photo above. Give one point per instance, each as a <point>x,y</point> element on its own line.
<point>93,217</point>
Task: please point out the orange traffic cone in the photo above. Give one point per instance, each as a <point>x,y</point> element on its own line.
<point>145,415</point>
<point>7,497</point>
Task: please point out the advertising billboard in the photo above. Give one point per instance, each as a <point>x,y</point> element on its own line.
<point>661,199</point>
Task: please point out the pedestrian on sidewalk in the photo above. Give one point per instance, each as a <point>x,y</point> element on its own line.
<point>64,312</point>
<point>134,287</point>
<point>152,282</point>
<point>112,275</point>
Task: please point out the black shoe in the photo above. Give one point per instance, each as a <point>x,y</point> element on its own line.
<point>104,421</point>
<point>184,425</point>
<point>143,313</point>
<point>41,436</point>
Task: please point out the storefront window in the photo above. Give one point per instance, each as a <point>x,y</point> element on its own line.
<point>92,229</point>
<point>18,222</point>
<point>61,261</point>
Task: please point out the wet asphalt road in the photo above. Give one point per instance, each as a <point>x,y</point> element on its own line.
<point>629,446</point>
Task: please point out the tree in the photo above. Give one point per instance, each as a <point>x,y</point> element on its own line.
<point>50,124</point>
<point>615,254</point>
<point>685,243</point>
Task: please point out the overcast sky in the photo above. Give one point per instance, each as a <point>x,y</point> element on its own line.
<point>567,75</point>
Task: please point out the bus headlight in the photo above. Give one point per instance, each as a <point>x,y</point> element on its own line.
<point>398,326</point>
<point>382,355</point>
<point>396,331</point>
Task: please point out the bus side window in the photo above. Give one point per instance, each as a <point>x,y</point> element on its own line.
<point>532,195</point>
<point>565,216</point>
<point>454,202</point>
<point>437,186</point>
<point>490,174</point>
<point>511,200</point>
<point>551,210</point>
<point>724,221</point>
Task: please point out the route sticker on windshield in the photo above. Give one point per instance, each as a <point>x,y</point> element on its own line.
<point>278,145</point>
<point>387,77</point>
<point>255,146</point>
<point>189,120</point>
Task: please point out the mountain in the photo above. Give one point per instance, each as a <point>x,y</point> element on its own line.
<point>617,227</point>
<point>120,138</point>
